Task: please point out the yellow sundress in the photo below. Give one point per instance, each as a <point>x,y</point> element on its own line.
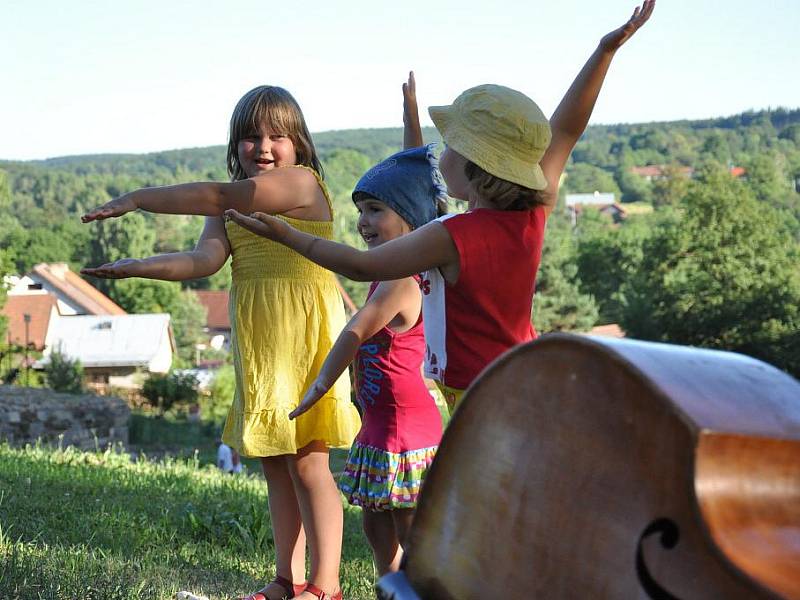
<point>286,313</point>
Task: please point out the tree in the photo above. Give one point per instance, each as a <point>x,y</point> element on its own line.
<point>165,391</point>
<point>670,189</point>
<point>64,374</point>
<point>559,304</point>
<point>634,187</point>
<point>767,179</point>
<point>188,320</point>
<point>607,257</point>
<point>110,240</point>
<point>585,179</point>
<point>6,268</point>
<point>723,274</point>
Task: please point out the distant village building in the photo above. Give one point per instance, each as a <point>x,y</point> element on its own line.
<point>51,307</point>
<point>217,320</point>
<point>605,203</point>
<point>113,348</point>
<point>73,294</point>
<point>655,172</point>
<point>29,318</point>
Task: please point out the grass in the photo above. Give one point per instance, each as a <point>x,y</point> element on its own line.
<point>98,525</point>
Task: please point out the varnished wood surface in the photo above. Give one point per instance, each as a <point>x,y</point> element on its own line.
<point>567,451</point>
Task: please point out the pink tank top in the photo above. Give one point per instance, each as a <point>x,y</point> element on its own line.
<point>399,413</point>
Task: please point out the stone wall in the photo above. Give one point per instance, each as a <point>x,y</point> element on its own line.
<point>28,415</point>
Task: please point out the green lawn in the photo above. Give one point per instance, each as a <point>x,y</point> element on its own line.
<point>97,525</point>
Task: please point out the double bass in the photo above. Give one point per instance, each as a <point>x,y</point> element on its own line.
<point>580,467</point>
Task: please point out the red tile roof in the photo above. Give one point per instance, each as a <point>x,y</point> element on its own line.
<point>216,303</point>
<point>40,307</point>
<point>738,171</point>
<point>612,330</point>
<point>71,285</point>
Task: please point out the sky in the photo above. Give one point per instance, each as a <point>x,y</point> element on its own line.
<point>91,77</point>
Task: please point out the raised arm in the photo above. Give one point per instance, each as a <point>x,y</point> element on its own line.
<point>279,191</point>
<point>572,115</point>
<point>412,132</point>
<point>208,256</point>
<point>428,247</point>
<point>389,299</point>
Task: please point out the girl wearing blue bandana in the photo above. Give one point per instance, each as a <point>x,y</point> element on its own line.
<point>401,425</point>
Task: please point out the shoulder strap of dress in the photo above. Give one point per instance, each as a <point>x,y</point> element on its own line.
<point>322,186</point>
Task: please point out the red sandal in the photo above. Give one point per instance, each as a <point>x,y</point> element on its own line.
<point>312,589</point>
<point>291,589</point>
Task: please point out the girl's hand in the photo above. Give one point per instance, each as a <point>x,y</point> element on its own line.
<point>116,208</point>
<point>261,224</point>
<point>612,41</point>
<point>412,132</point>
<point>314,393</point>
<point>121,269</point>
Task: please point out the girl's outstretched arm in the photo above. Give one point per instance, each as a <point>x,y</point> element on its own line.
<point>428,247</point>
<point>572,115</point>
<point>208,256</point>
<point>389,299</point>
<point>412,132</point>
<point>278,191</point>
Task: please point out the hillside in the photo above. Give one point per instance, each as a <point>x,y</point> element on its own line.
<point>43,200</point>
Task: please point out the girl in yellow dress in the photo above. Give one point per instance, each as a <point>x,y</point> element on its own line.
<point>285,312</point>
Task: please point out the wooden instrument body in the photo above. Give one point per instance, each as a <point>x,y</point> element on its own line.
<point>585,468</point>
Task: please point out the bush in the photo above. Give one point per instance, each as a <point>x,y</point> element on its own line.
<point>64,374</point>
<point>164,391</point>
<point>215,406</point>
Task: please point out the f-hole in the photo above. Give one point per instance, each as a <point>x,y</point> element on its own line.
<point>669,538</point>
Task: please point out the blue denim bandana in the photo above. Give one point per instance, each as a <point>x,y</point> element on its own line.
<point>408,182</point>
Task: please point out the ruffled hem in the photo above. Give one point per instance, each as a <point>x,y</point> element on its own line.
<point>334,421</point>
<point>377,479</point>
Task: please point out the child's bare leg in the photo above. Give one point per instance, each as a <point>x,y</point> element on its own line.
<point>287,528</point>
<point>321,509</point>
<point>402,518</point>
<point>380,530</point>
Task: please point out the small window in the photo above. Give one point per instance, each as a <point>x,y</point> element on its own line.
<point>35,286</point>
<point>103,325</point>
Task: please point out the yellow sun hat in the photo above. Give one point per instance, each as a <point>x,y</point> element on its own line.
<point>501,130</point>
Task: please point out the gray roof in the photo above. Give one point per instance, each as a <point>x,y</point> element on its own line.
<point>108,340</point>
<point>596,198</point>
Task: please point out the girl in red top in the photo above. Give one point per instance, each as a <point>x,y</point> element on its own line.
<point>505,158</point>
<point>401,425</point>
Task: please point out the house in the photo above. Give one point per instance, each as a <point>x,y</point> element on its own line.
<point>29,319</point>
<point>603,202</point>
<point>113,348</point>
<point>217,320</point>
<point>74,295</point>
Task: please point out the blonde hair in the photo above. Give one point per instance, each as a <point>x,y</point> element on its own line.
<point>277,108</point>
<point>505,195</point>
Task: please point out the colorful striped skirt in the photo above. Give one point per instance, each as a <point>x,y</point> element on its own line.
<point>377,479</point>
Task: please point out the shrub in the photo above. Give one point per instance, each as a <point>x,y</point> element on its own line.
<point>164,391</point>
<point>64,374</point>
<point>215,406</point>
